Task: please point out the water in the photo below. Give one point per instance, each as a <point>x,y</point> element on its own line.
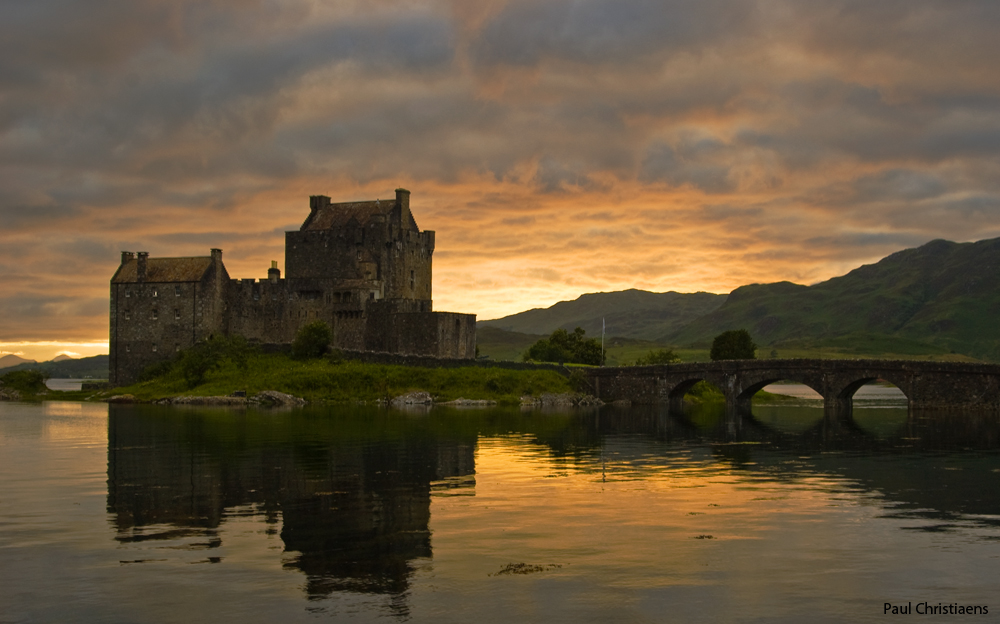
<point>64,384</point>
<point>156,514</point>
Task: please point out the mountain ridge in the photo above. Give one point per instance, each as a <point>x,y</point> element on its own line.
<point>941,297</point>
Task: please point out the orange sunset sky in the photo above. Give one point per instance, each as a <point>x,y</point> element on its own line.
<point>557,147</point>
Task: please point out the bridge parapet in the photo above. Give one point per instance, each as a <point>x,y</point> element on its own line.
<point>925,384</point>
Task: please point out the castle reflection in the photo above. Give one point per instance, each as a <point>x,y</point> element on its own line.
<point>351,493</point>
<point>349,490</point>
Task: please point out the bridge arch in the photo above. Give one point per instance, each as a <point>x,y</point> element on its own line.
<point>744,397</point>
<point>681,388</point>
<point>845,394</point>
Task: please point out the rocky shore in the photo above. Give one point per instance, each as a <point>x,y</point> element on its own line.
<point>272,398</point>
<point>268,398</point>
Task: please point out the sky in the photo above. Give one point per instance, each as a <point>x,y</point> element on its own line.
<point>557,147</point>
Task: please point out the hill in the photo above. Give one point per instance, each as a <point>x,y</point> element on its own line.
<point>629,313</point>
<point>95,367</point>
<point>13,360</point>
<point>942,297</point>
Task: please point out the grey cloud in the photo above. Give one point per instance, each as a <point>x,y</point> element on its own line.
<point>850,243</point>
<point>690,164</point>
<point>829,119</point>
<point>554,175</point>
<point>601,31</point>
<point>900,184</point>
<point>935,33</point>
<point>518,221</point>
<point>232,92</point>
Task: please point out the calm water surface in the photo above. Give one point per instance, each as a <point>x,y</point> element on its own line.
<point>152,514</point>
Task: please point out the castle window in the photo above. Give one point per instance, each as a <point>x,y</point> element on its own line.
<point>359,254</point>
<point>412,281</point>
<point>155,314</point>
<point>177,314</point>
<point>128,348</point>
<point>177,291</point>
<point>128,315</point>
<point>154,346</point>
<point>128,293</point>
<point>155,292</point>
<point>177,347</point>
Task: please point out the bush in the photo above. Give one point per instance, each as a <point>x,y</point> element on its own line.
<point>196,362</point>
<point>563,346</point>
<point>312,341</point>
<point>25,381</point>
<point>734,344</point>
<point>578,381</point>
<point>158,369</point>
<point>663,356</point>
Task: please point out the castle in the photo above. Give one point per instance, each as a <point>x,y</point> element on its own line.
<point>362,267</point>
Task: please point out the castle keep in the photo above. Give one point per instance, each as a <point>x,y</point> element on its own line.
<point>364,268</point>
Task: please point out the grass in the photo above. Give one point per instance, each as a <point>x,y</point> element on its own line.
<point>321,380</point>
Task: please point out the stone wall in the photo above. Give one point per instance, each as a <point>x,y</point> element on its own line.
<point>151,322</point>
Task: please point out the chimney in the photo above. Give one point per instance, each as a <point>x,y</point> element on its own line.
<point>140,267</point>
<point>126,256</point>
<point>216,255</point>
<point>318,201</point>
<point>274,273</point>
<point>403,199</point>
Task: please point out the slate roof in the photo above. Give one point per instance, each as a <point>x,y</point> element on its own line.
<point>160,270</point>
<point>339,215</point>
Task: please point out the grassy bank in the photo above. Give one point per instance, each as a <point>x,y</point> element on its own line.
<point>322,380</point>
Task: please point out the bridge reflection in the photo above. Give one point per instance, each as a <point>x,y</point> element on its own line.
<point>935,463</point>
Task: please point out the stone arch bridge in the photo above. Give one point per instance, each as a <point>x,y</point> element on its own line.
<point>925,384</point>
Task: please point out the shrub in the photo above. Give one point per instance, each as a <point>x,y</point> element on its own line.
<point>196,362</point>
<point>578,381</point>
<point>734,344</point>
<point>25,381</point>
<point>335,356</point>
<point>158,369</point>
<point>312,341</point>
<point>563,346</point>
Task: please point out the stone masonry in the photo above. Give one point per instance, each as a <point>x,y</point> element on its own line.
<point>364,268</point>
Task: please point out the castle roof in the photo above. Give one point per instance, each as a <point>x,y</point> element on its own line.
<point>160,270</point>
<point>340,215</point>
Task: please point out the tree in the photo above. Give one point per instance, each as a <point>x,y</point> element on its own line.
<point>663,356</point>
<point>734,344</point>
<point>312,340</point>
<point>563,346</point>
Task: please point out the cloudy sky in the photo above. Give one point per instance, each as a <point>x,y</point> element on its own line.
<point>556,146</point>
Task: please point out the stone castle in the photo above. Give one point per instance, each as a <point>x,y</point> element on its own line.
<point>362,267</point>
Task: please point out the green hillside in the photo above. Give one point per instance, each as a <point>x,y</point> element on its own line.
<point>629,313</point>
<point>500,344</point>
<point>940,298</point>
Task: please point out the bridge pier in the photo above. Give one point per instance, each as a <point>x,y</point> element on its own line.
<point>838,409</point>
